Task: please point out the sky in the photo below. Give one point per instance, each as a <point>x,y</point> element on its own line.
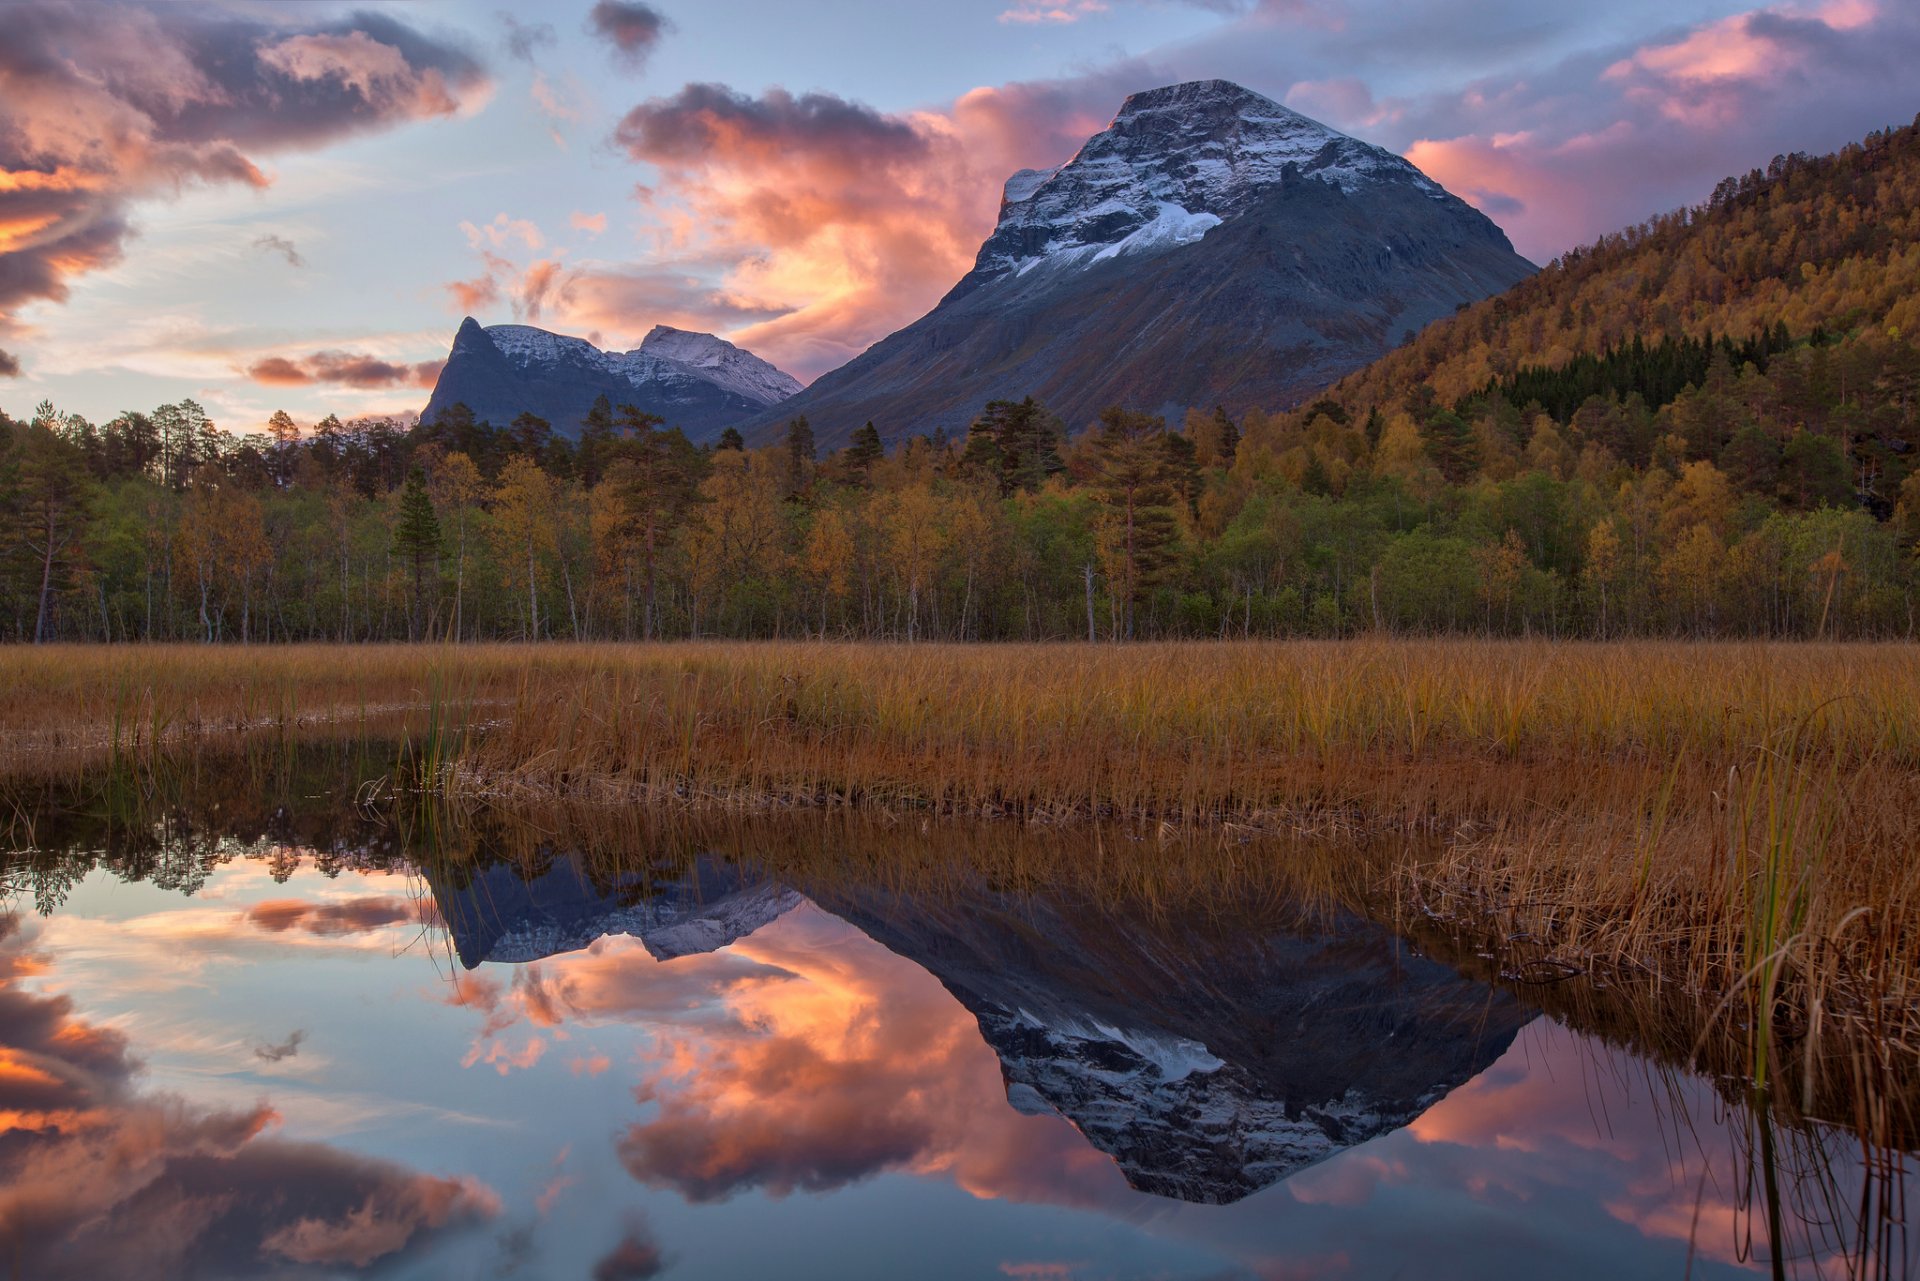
<point>292,205</point>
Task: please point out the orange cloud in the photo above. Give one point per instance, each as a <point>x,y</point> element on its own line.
<point>803,226</point>
<point>344,368</point>
<point>349,917</point>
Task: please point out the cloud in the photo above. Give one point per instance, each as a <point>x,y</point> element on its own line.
<point>1053,11</point>
<point>592,224</point>
<point>108,104</point>
<point>282,246</point>
<point>98,1178</point>
<point>345,369</point>
<point>1611,136</point>
<point>633,29</point>
<point>478,294</point>
<point>635,1257</point>
<point>280,1053</point>
<point>839,1060</point>
<point>523,39</point>
<point>837,222</point>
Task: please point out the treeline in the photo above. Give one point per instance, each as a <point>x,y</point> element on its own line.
<point>1777,503</point>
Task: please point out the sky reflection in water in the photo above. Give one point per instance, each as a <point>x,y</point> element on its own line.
<point>327,1089</point>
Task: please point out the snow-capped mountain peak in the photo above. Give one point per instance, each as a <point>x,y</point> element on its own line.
<point>1175,163</point>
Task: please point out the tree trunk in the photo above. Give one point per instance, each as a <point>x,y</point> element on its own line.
<point>1087,571</point>
<point>46,584</point>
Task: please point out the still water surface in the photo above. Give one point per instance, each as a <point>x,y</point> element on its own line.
<point>283,1062</point>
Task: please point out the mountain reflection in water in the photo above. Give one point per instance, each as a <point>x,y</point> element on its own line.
<point>229,1056</point>
<point>1208,1061</point>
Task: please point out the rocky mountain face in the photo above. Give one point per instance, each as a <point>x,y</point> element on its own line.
<point>697,382</point>
<point>1209,247</point>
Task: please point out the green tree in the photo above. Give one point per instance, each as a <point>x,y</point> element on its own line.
<point>863,453</point>
<point>52,491</point>
<point>416,540</point>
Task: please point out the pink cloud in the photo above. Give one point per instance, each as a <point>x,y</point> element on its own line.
<point>1598,144</point>
<point>1050,11</point>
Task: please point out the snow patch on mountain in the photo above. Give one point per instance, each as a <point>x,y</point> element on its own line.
<point>723,364</point>
<point>1178,1121</point>
<point>668,927</point>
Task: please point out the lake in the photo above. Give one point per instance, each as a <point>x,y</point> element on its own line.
<point>263,1023</point>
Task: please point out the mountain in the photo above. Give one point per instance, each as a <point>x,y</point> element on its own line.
<point>1208,1057</point>
<point>698,383</point>
<point>1210,246</point>
<point>498,915</point>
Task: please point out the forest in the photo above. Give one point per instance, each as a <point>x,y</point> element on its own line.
<point>1703,426</point>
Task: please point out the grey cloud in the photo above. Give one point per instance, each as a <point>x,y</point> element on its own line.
<point>632,28</point>
<point>282,246</point>
<point>281,1052</point>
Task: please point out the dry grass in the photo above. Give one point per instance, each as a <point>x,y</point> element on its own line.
<point>1739,822</point>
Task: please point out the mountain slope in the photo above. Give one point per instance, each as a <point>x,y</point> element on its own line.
<point>1810,243</point>
<point>1210,246</point>
<point>697,382</point>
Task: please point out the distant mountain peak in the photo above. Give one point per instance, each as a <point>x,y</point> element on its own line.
<point>695,381</point>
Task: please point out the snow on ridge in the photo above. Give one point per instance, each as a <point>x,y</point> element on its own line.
<point>665,356</point>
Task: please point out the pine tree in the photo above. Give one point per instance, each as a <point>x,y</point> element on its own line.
<point>416,540</point>
<point>800,455</point>
<point>731,439</point>
<point>863,453</point>
<point>51,495</point>
<point>596,431</point>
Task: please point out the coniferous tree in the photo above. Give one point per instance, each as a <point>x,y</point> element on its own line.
<point>416,540</point>
<point>863,453</point>
<point>801,454</point>
<point>51,490</point>
<point>730,439</point>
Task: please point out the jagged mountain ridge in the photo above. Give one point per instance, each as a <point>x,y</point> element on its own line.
<point>697,382</point>
<point>498,915</point>
<point>1210,246</point>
